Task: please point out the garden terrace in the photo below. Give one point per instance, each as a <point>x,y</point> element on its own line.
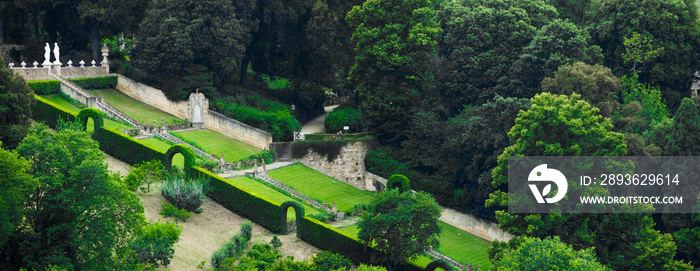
<point>135,108</point>
<point>272,194</point>
<point>215,143</point>
<point>58,100</point>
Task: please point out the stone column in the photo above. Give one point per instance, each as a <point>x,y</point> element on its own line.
<point>105,61</point>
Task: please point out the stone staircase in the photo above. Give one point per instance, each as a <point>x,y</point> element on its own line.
<point>436,255</point>
<point>99,102</point>
<point>176,140</point>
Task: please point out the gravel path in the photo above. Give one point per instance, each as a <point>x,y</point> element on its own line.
<point>316,125</point>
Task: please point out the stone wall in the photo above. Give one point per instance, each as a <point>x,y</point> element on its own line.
<point>238,130</point>
<point>84,72</point>
<point>212,120</point>
<point>283,150</point>
<point>485,229</point>
<point>33,74</point>
<point>348,167</point>
<point>40,73</point>
<point>152,96</point>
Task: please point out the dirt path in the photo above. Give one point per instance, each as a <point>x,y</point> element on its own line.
<point>316,125</point>
<point>204,233</point>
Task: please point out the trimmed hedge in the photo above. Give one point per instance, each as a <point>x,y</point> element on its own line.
<point>398,181</point>
<point>96,82</point>
<point>49,113</point>
<point>319,137</point>
<point>328,238</point>
<point>298,210</point>
<point>340,117</point>
<point>186,151</point>
<point>45,87</point>
<point>93,113</point>
<point>124,147</point>
<point>242,201</point>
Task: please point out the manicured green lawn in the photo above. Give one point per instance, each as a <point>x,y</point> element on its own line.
<point>178,159</point>
<point>318,186</point>
<point>216,143</point>
<point>463,248</point>
<point>134,108</point>
<point>271,194</point>
<point>54,98</point>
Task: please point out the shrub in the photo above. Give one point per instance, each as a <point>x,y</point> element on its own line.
<point>96,82</point>
<point>45,87</point>
<point>235,246</point>
<point>184,194</point>
<point>275,242</point>
<point>398,181</point>
<point>168,210</point>
<point>277,120</point>
<point>326,261</point>
<point>49,112</point>
<point>340,117</point>
<point>124,147</point>
<point>155,244</point>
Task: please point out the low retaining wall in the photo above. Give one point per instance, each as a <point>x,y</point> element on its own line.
<point>41,73</point>
<point>152,96</point>
<point>348,167</point>
<point>485,229</point>
<point>238,130</point>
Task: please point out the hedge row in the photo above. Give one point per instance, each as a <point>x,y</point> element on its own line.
<point>124,147</point>
<point>96,82</point>
<point>334,136</point>
<point>326,237</point>
<point>49,113</point>
<point>242,201</point>
<point>45,87</point>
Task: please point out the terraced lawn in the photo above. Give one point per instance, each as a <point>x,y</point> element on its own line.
<point>178,159</point>
<point>271,194</point>
<point>318,186</point>
<point>54,98</point>
<point>457,244</point>
<point>216,143</point>
<point>135,108</point>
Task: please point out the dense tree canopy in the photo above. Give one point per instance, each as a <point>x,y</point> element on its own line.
<point>534,254</point>
<point>596,84</point>
<point>16,101</point>
<point>15,186</point>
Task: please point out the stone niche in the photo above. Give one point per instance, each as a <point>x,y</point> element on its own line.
<point>348,167</point>
<point>198,104</point>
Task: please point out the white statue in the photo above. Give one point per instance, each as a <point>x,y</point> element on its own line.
<point>56,52</point>
<point>47,53</point>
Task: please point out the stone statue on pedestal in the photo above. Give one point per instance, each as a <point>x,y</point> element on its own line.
<point>56,53</point>
<point>47,54</point>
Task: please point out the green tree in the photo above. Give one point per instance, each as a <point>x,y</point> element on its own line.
<point>401,225</point>
<point>683,140</point>
<point>155,244</point>
<point>595,84</point>
<point>640,50</point>
<point>16,99</point>
<point>188,44</point>
<point>672,25</point>
<point>547,254</point>
<point>15,186</point>
<point>145,173</point>
<point>78,216</point>
<point>395,39</point>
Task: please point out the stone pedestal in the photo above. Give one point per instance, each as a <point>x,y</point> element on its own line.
<point>57,68</point>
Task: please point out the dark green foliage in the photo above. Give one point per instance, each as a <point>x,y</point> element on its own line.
<point>683,139</point>
<point>15,186</point>
<point>298,211</point>
<point>340,117</point>
<point>398,181</point>
<point>184,194</point>
<point>275,242</point>
<point>259,257</point>
<point>534,254</point>
<point>243,201</point>
<point>16,101</point>
<point>672,25</point>
<point>276,120</point>
<point>49,112</point>
<point>92,113</point>
<point>77,205</point>
<point>321,137</point>
<point>186,152</point>
<point>169,210</point>
<point>401,225</point>
<point>648,96</point>
<point>247,230</point>
<point>124,147</point>
<point>659,133</point>
<point>45,87</point>
<point>596,84</point>
<point>96,82</point>
<point>307,98</point>
<point>327,261</point>
<point>155,244</point>
<point>235,246</point>
<point>328,148</point>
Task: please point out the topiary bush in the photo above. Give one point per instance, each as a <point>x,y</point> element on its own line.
<point>186,151</point>
<point>184,194</point>
<point>340,117</point>
<point>45,87</point>
<point>169,210</point>
<point>93,113</point>
<point>398,181</point>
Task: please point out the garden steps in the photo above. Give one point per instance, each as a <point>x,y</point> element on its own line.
<point>176,140</point>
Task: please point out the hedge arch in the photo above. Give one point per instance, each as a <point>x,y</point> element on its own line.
<point>186,151</point>
<point>93,113</point>
<point>298,209</point>
<point>398,181</point>
<point>438,263</point>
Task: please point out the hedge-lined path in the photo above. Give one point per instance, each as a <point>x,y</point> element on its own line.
<point>316,125</point>
<point>206,232</point>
